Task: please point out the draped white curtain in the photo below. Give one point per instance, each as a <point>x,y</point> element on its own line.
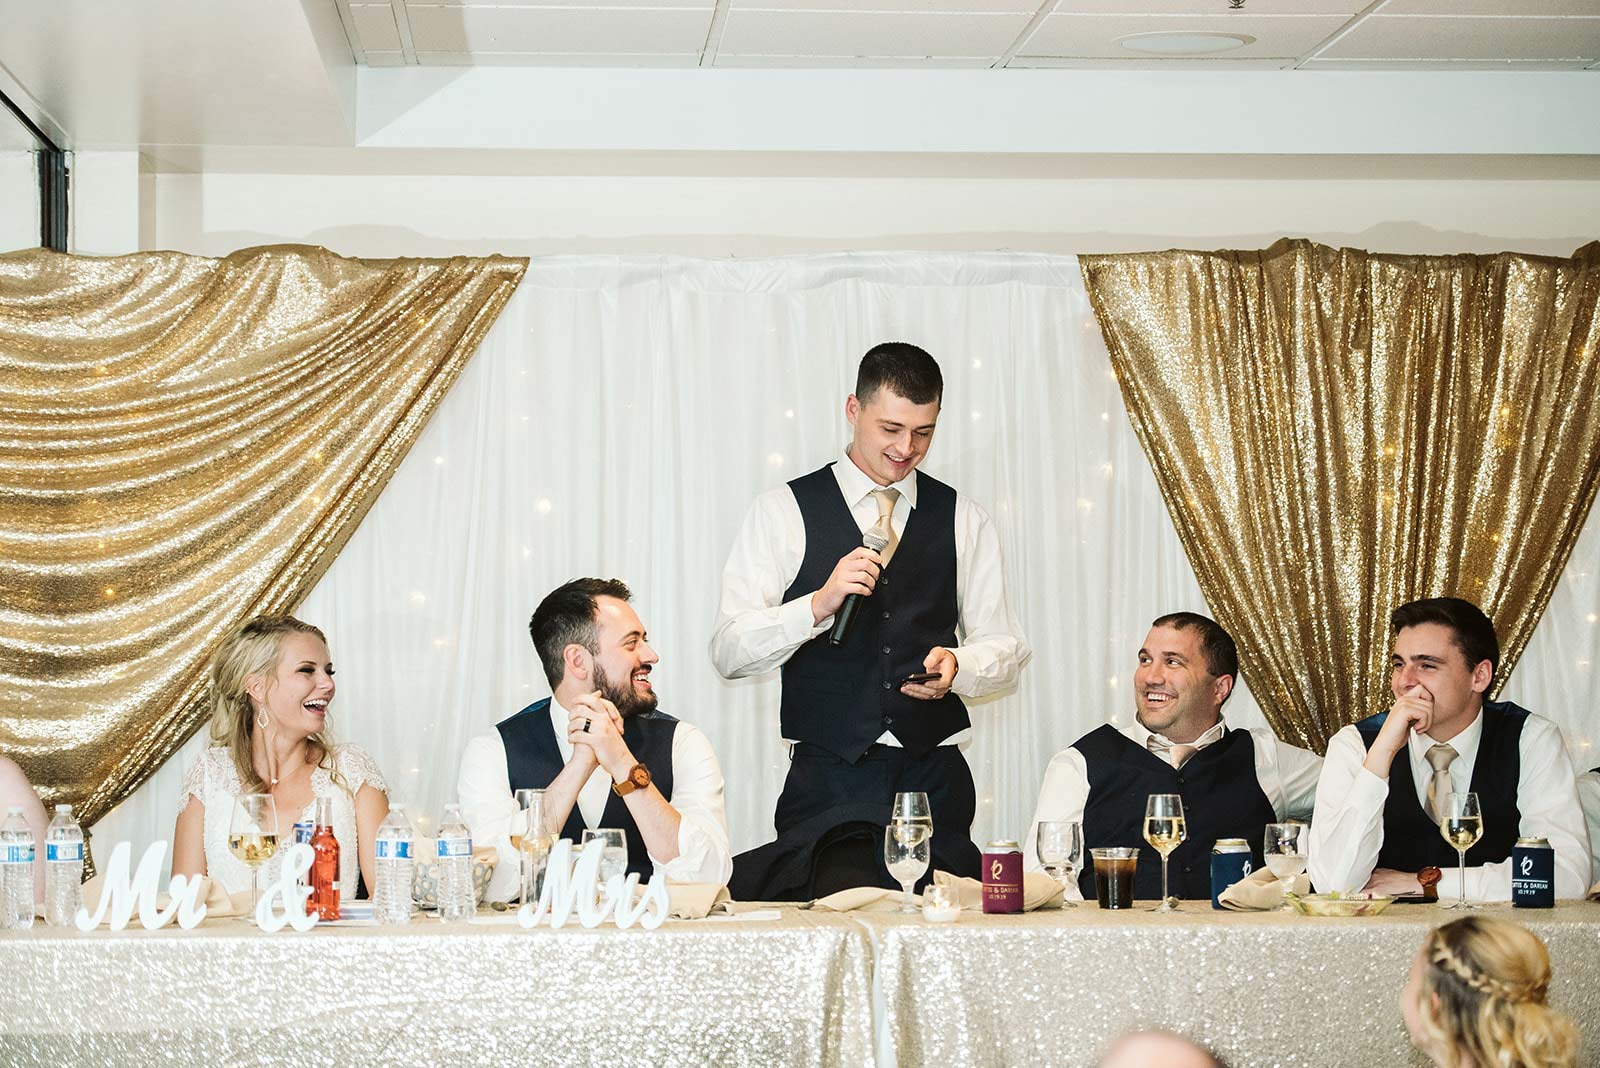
<point>624,412</point>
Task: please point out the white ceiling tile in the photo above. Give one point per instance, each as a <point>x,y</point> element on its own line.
<point>558,59</point>
<point>840,62</point>
<point>1148,63</point>
<point>439,28</point>
<point>853,33</point>
<point>385,59</point>
<point>705,5</point>
<point>1213,8</point>
<point>1418,37</point>
<point>376,28</point>
<point>1516,8</point>
<point>908,7</point>
<point>1444,64</point>
<point>1096,35</point>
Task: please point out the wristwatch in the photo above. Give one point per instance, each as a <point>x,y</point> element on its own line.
<point>638,778</point>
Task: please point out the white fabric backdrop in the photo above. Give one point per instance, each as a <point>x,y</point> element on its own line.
<point>624,412</point>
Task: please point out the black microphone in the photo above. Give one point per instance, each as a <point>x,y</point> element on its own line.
<point>876,541</point>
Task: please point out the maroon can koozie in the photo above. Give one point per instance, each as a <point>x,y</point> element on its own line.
<point>1002,877</point>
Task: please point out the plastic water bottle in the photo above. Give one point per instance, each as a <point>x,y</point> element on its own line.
<point>16,879</point>
<point>457,901</point>
<point>392,901</point>
<point>63,872</point>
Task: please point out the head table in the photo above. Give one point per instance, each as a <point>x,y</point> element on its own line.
<point>807,987</point>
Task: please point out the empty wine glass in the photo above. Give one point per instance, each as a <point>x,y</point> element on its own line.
<point>906,852</point>
<point>614,861</point>
<point>253,835</point>
<point>1059,846</point>
<point>1283,846</point>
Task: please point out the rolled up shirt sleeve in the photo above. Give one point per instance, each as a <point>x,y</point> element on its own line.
<point>992,649</point>
<point>484,790</point>
<point>756,629</point>
<point>1347,821</point>
<point>705,853</point>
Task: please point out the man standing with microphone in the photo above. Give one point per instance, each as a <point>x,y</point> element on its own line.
<point>879,592</point>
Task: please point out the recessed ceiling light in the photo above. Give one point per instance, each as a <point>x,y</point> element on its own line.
<point>1194,43</point>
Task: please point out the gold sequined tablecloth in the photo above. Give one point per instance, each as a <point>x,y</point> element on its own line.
<point>790,992</point>
<point>1265,991</point>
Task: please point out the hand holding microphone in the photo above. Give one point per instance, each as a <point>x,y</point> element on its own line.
<point>860,574</point>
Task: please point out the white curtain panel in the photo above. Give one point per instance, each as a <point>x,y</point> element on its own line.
<point>622,415</point>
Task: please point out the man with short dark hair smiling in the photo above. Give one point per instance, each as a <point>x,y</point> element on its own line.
<point>1386,779</point>
<point>933,605</point>
<point>1233,782</point>
<point>602,751</point>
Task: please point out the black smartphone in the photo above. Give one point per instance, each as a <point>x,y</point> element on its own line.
<point>920,677</point>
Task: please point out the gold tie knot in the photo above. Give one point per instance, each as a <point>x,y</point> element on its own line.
<point>1439,757</point>
<point>1176,754</point>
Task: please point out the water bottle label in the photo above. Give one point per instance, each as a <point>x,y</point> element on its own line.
<point>19,854</point>
<point>63,851</point>
<point>454,847</point>
<point>393,849</point>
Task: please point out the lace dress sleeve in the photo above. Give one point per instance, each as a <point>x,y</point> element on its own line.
<point>358,768</point>
<point>194,781</point>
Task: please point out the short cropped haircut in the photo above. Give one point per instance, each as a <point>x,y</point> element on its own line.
<point>1222,656</point>
<point>566,617</point>
<point>1474,634</point>
<point>908,371</point>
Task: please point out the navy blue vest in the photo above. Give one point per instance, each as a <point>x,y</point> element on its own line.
<point>1222,798</point>
<point>533,759</point>
<point>842,698</point>
<point>1411,841</point>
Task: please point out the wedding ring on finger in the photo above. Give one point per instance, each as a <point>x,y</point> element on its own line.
<point>586,726</point>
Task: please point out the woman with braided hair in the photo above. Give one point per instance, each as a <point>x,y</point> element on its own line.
<point>1476,999</point>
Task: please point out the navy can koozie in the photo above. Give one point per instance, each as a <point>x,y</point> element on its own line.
<point>1533,874</point>
<point>1230,862</point>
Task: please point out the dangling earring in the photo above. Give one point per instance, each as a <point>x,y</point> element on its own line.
<point>261,719</point>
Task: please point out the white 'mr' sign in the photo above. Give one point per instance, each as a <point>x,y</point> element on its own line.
<point>574,886</point>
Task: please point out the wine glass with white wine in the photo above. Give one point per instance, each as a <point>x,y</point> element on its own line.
<point>1165,829</point>
<point>1283,845</point>
<point>1462,826</point>
<point>253,836</point>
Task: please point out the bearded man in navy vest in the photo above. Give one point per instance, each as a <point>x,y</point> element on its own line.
<point>1233,782</point>
<point>600,749</point>
<point>932,602</point>
<point>1378,803</point>
<point>1377,825</point>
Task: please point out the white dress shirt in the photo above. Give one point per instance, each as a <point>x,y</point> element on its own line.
<point>1347,830</point>
<point>704,852</point>
<point>757,630</point>
<point>1287,774</point>
<point>1589,795</point>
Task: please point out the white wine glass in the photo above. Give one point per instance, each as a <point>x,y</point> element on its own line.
<point>1165,830</point>
<point>1283,846</point>
<point>912,808</point>
<point>1462,826</point>
<point>1059,846</point>
<point>906,852</point>
<point>253,836</point>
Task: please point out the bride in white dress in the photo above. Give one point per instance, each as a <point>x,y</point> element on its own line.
<point>271,685</point>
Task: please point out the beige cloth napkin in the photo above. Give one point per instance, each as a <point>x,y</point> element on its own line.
<point>1039,891</point>
<point>218,904</point>
<point>696,901</point>
<point>1594,892</point>
<point>1260,891</point>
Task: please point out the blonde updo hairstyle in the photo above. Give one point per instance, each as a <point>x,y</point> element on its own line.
<point>251,650</point>
<point>1482,1001</point>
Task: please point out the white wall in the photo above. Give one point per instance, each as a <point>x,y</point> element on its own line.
<point>434,215</point>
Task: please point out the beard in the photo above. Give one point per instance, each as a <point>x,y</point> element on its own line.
<point>623,695</point>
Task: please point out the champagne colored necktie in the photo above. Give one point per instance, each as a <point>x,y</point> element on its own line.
<point>1175,754</point>
<point>1439,758</point>
<point>885,525</point>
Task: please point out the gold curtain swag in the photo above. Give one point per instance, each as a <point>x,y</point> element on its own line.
<point>184,443</point>
<point>1337,432</point>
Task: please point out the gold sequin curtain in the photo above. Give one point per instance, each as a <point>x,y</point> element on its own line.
<point>184,443</point>
<point>1337,432</point>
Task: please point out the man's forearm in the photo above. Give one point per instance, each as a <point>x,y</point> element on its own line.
<point>657,822</point>
<point>562,793</point>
